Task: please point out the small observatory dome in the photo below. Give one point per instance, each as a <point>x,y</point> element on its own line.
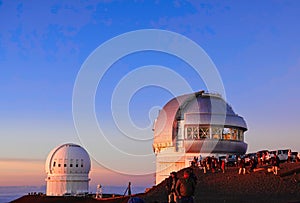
<point>67,167</point>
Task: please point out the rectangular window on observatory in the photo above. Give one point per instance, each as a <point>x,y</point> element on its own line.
<point>203,133</point>
<point>216,133</point>
<point>192,133</point>
<point>234,133</point>
<point>240,135</point>
<point>226,134</point>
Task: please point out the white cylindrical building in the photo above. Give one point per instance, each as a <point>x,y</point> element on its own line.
<point>67,168</point>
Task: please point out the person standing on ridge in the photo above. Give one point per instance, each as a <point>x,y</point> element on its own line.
<point>289,159</point>
<point>242,166</point>
<point>185,188</point>
<point>171,184</point>
<point>223,166</point>
<point>275,164</point>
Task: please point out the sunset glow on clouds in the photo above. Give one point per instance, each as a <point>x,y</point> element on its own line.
<point>28,172</point>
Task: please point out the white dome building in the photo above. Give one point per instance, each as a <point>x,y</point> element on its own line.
<point>67,168</point>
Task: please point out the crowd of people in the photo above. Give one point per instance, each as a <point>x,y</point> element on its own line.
<point>212,164</point>
<point>181,190</point>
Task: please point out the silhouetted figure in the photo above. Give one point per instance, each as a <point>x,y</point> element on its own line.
<point>208,162</point>
<point>200,160</point>
<point>275,164</point>
<point>204,165</point>
<point>185,188</point>
<point>253,164</point>
<point>223,166</point>
<point>129,188</point>
<point>171,184</point>
<point>263,158</point>
<point>213,164</point>
<point>289,156</point>
<point>259,158</point>
<point>242,166</point>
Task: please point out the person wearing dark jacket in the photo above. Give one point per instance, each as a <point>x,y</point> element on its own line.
<point>185,188</point>
<point>171,184</point>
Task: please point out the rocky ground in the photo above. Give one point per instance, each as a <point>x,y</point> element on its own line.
<point>259,186</point>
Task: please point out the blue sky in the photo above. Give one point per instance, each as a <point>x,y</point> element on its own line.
<point>254,45</point>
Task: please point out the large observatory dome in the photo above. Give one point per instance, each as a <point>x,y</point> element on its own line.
<point>195,124</point>
<point>67,167</point>
<point>196,109</point>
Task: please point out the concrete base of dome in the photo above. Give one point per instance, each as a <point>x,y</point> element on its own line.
<point>60,186</point>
